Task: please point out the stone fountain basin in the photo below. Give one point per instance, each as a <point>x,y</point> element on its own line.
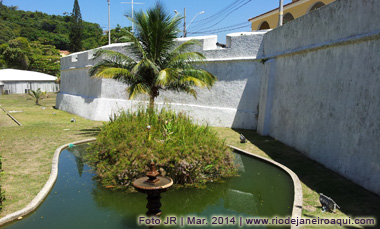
<point>142,185</point>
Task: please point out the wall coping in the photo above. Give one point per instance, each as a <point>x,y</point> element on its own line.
<point>240,45</point>
<point>210,60</point>
<point>357,38</point>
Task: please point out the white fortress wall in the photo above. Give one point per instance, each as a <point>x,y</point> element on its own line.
<point>321,88</point>
<point>232,102</point>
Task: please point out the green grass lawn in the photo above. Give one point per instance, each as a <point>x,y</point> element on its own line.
<point>28,150</point>
<point>27,154</point>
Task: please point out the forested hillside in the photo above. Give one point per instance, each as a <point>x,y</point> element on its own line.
<point>32,40</point>
<point>47,29</point>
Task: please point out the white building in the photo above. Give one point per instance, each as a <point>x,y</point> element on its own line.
<point>13,81</point>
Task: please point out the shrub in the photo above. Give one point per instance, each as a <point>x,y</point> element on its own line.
<point>190,154</point>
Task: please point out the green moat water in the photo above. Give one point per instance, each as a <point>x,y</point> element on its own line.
<point>77,201</point>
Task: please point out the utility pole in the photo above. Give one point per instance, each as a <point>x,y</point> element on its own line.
<point>184,22</point>
<point>109,22</point>
<point>132,3</point>
<point>281,14</point>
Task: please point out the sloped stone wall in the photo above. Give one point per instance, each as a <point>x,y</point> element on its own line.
<point>320,91</point>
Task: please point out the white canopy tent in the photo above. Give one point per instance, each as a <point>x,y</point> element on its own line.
<point>13,81</point>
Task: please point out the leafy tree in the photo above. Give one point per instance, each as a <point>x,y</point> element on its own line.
<point>19,53</point>
<point>37,95</point>
<point>62,42</point>
<point>76,34</point>
<point>6,33</point>
<point>92,35</point>
<point>161,65</point>
<point>117,35</point>
<point>45,58</point>
<point>48,25</point>
<point>31,33</point>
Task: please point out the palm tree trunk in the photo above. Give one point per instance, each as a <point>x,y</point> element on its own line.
<point>153,94</point>
<point>151,102</point>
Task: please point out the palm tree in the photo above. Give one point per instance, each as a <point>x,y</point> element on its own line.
<point>37,94</point>
<point>160,65</point>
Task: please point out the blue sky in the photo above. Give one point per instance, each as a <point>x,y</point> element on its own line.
<point>220,17</point>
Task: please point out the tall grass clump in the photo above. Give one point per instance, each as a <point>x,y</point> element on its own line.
<point>188,153</point>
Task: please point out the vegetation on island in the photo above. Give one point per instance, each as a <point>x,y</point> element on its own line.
<point>188,153</point>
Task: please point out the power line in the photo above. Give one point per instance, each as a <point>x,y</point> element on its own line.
<point>231,27</point>
<point>221,30</point>
<point>233,10</point>
<point>217,14</point>
<point>226,11</point>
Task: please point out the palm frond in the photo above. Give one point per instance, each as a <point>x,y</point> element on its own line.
<point>156,31</point>
<point>145,65</point>
<point>137,88</point>
<point>188,89</point>
<point>113,56</point>
<point>202,75</point>
<point>185,47</point>
<point>99,67</point>
<point>170,78</point>
<point>186,59</point>
<point>112,59</point>
<point>193,81</point>
<point>120,74</point>
<point>168,75</point>
<point>136,47</point>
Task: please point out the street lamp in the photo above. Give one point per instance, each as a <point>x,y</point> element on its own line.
<point>202,12</point>
<point>184,20</point>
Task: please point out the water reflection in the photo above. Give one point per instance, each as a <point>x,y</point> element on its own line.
<point>79,152</point>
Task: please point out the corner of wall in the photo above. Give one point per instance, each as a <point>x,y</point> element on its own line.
<point>78,60</point>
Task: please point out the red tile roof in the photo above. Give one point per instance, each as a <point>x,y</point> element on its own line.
<point>64,52</point>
